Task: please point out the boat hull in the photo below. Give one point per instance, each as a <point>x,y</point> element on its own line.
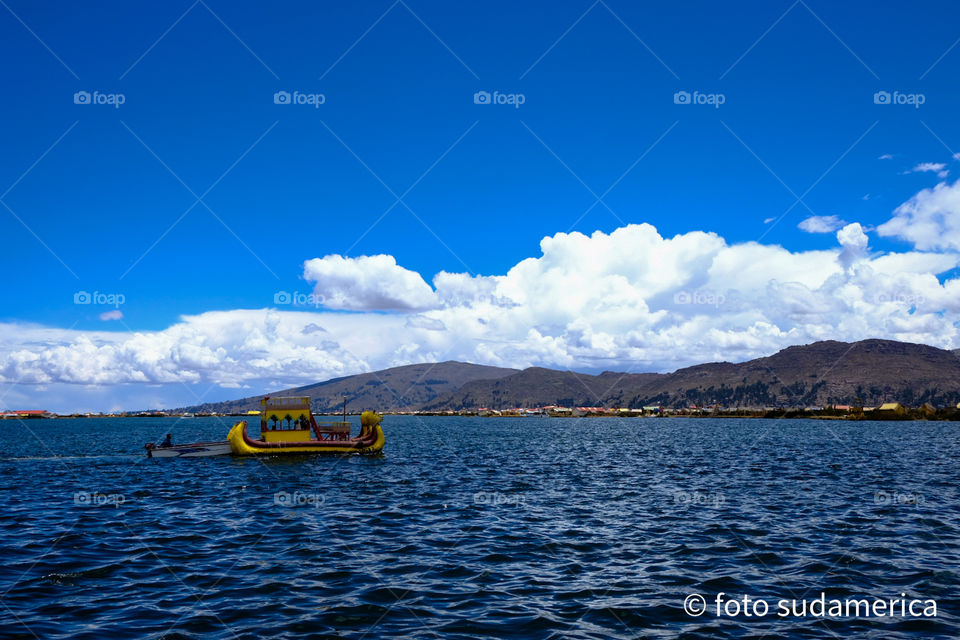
<point>243,445</point>
<point>194,450</point>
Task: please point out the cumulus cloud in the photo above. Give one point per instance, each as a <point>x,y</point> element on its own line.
<point>821,224</point>
<point>312,327</point>
<point>938,168</point>
<point>630,299</point>
<point>425,322</point>
<point>367,283</point>
<point>115,314</point>
<point>930,219</point>
<point>854,242</point>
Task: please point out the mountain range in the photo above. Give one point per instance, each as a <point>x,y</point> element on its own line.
<point>867,372</point>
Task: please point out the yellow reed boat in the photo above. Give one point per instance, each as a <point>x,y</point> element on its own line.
<point>287,427</point>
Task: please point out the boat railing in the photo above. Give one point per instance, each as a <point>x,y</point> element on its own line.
<point>302,402</point>
<point>333,430</point>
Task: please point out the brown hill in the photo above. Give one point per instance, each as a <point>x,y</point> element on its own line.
<point>397,389</point>
<point>830,372</point>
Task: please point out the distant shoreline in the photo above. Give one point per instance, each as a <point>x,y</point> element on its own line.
<point>943,415</point>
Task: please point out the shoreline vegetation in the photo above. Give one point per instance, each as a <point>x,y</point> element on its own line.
<point>888,411</point>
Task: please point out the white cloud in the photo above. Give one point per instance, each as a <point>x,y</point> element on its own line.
<point>629,300</point>
<point>367,283</point>
<point>312,327</point>
<point>885,156</point>
<point>938,168</point>
<point>854,242</point>
<point>115,314</point>
<point>821,224</point>
<point>425,322</point>
<point>930,219</point>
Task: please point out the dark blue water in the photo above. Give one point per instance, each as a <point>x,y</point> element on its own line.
<point>469,528</point>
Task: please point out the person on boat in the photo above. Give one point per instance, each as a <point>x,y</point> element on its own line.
<point>168,442</point>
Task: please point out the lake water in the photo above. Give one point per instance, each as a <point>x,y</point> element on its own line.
<point>470,528</point>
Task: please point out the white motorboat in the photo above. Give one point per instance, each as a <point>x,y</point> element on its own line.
<point>192,450</point>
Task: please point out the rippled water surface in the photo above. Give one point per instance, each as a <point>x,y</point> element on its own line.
<point>467,528</point>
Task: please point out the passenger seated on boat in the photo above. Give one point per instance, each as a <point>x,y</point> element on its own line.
<point>168,442</point>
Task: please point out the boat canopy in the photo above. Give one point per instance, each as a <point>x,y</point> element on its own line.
<point>290,412</point>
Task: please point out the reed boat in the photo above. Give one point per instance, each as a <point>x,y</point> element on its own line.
<point>288,427</point>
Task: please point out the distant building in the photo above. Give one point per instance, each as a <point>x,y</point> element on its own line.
<point>583,411</point>
<point>26,413</point>
<point>892,408</point>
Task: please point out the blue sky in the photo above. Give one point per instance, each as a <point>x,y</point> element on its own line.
<point>100,196</point>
